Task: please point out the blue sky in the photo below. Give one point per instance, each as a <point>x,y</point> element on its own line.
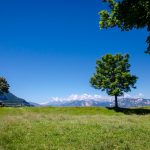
<point>49,48</point>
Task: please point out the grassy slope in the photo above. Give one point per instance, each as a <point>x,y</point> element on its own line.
<point>72,129</point>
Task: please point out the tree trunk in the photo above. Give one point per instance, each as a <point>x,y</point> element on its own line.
<point>116,102</point>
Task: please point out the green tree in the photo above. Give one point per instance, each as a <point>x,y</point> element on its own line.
<point>113,75</point>
<point>4,86</point>
<point>127,14</point>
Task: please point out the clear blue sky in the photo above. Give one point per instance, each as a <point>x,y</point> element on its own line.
<point>49,48</point>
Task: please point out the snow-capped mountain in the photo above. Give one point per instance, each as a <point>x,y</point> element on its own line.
<point>10,99</point>
<point>123,102</point>
<point>87,102</point>
<point>134,102</point>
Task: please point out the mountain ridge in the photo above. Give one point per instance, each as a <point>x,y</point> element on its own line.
<point>9,99</point>
<point>123,102</point>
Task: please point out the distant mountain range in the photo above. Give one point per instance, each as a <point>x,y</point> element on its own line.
<point>34,104</point>
<point>9,99</point>
<point>77,103</point>
<point>133,102</point>
<point>123,102</point>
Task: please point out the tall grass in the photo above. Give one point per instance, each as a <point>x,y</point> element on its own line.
<point>55,128</point>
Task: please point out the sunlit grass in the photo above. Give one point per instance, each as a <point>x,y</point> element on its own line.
<point>53,128</point>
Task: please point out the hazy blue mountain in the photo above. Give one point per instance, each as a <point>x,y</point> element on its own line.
<point>9,99</point>
<point>34,104</point>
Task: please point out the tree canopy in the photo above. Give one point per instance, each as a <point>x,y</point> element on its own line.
<point>4,86</point>
<point>127,14</point>
<point>113,75</point>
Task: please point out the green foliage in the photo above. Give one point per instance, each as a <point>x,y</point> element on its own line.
<point>127,14</point>
<point>4,86</point>
<point>113,75</point>
<point>51,128</point>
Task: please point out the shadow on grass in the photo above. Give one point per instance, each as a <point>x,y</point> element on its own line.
<point>130,111</point>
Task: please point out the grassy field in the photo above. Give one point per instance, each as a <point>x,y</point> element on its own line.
<point>90,128</point>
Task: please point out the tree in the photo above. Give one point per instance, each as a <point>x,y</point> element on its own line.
<point>113,75</point>
<point>127,14</point>
<point>4,86</point>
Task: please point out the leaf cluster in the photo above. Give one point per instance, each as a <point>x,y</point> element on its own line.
<point>113,75</point>
<point>127,14</point>
<point>4,86</point>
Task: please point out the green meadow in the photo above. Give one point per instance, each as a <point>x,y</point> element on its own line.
<point>74,128</point>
